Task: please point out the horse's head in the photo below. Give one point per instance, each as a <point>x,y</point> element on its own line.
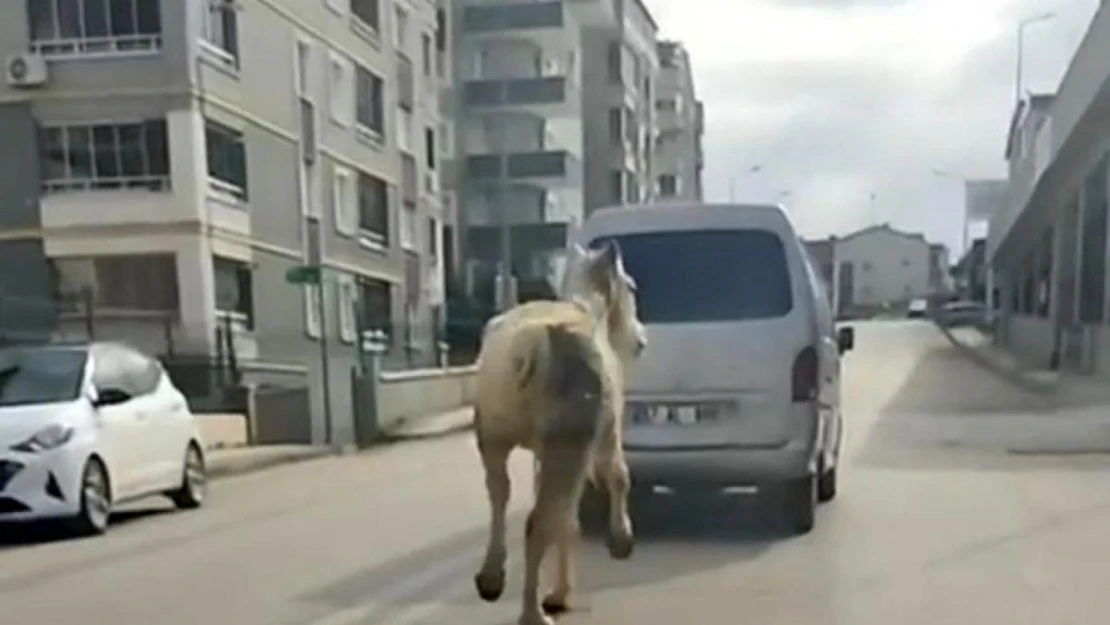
<point>605,283</point>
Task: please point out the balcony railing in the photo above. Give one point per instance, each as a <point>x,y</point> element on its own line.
<point>512,16</point>
<point>541,164</point>
<point>515,91</point>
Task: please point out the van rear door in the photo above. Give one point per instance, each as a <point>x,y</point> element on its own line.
<point>726,320</point>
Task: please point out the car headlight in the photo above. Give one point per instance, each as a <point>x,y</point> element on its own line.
<point>50,437</point>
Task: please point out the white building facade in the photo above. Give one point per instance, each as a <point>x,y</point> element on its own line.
<point>1047,248</point>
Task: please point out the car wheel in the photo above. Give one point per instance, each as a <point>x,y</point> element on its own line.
<point>96,500</point>
<point>826,486</point>
<point>799,504</point>
<point>194,481</point>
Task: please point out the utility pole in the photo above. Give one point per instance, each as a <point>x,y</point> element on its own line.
<point>315,261</point>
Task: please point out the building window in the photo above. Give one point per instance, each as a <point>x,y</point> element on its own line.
<point>373,210</point>
<point>430,147</point>
<point>616,187</point>
<point>344,202</point>
<point>221,28</point>
<point>227,159</point>
<point>140,282</point>
<point>1044,275</point>
<point>375,305</point>
<point>616,125</point>
<point>91,27</point>
<point>668,185</point>
<point>304,63</point>
<point>614,61</point>
<point>1092,271</point>
<point>408,228</point>
<point>341,91</point>
<point>348,308</point>
<point>234,290</point>
<point>426,53</point>
<point>368,13</point>
<point>370,100</point>
<point>105,156</point>
<point>433,240</point>
<point>400,28</point>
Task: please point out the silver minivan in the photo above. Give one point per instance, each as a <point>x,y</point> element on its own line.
<point>740,383</point>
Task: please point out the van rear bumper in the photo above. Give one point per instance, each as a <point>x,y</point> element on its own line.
<point>720,465</point>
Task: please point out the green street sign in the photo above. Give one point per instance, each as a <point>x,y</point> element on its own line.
<point>303,274</point>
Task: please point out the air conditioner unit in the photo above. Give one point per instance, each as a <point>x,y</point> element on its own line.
<point>25,70</point>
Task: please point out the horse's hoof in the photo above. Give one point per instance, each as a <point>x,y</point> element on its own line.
<point>621,546</point>
<point>555,605</point>
<point>490,585</point>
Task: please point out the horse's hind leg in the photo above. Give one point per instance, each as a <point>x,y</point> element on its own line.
<point>562,473</point>
<point>490,580</point>
<point>556,600</point>
<point>612,468</point>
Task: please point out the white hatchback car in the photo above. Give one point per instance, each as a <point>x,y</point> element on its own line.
<point>85,427</point>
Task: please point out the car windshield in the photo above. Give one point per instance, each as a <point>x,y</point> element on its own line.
<point>694,276</point>
<point>40,376</point>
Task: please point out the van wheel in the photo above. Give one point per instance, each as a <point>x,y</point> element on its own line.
<point>826,486</point>
<point>799,504</point>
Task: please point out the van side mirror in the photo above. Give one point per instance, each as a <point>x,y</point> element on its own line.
<point>846,339</point>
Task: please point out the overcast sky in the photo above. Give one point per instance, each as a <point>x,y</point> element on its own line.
<point>839,99</point>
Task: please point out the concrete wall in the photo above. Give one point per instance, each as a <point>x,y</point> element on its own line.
<point>421,393</point>
<point>1032,340</point>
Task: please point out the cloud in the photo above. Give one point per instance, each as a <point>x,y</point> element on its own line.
<point>839,100</point>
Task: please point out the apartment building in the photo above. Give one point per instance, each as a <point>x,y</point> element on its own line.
<point>619,105</point>
<point>177,158</point>
<point>679,158</point>
<point>533,112</point>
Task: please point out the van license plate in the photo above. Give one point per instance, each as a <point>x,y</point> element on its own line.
<point>671,414</point>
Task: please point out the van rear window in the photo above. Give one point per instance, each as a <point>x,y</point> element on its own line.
<point>691,276</point>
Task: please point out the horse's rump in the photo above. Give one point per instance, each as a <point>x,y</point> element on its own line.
<point>543,363</point>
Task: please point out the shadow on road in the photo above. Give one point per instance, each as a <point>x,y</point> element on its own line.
<point>710,535</point>
<point>17,535</point>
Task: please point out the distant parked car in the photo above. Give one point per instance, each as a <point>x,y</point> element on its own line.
<point>918,309</point>
<point>85,427</point>
<point>964,314</point>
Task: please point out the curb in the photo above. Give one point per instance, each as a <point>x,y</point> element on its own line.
<point>390,438</point>
<point>1015,377</point>
<point>232,469</point>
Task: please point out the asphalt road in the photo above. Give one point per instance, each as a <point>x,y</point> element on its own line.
<point>928,528</point>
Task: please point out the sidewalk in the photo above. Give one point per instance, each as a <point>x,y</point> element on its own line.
<point>239,460</point>
<point>1070,389</point>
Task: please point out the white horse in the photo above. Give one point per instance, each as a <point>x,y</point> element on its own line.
<point>551,379</point>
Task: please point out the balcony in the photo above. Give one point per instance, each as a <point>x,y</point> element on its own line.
<point>515,91</point>
<point>519,165</point>
<point>512,16</point>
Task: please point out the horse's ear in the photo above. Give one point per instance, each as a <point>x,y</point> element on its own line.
<point>610,254</point>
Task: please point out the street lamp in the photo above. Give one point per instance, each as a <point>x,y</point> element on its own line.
<point>1022,25</point>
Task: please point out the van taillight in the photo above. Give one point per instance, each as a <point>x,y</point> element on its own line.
<point>804,379</point>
